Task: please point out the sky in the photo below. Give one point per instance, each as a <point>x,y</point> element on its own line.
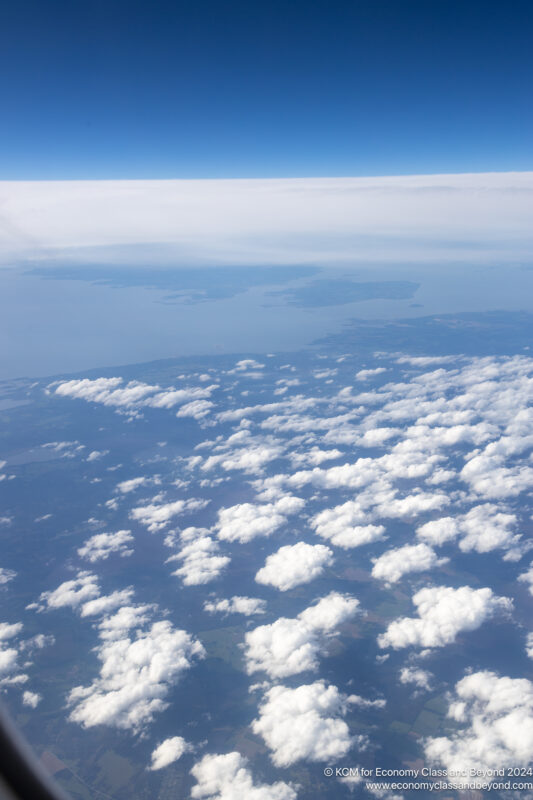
<point>110,89</point>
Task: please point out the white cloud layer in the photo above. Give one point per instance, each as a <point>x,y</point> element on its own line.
<point>277,221</point>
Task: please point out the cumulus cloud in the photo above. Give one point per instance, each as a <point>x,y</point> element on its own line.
<point>290,646</point>
<point>135,676</point>
<point>10,648</point>
<point>123,620</point>
<point>527,577</point>
<point>394,564</point>
<point>314,456</point>
<point>365,374</point>
<point>246,521</point>
<point>227,777</point>
<point>125,487</point>
<point>31,699</point>
<point>96,455</point>
<point>419,677</point>
<point>114,392</point>
<point>482,529</point>
<point>200,554</point>
<point>168,751</point>
<point>243,451</point>
<point>248,606</point>
<point>198,409</point>
<point>155,517</point>
<point>100,546</point>
<point>65,449</point>
<point>304,723</point>
<point>70,593</point>
<point>105,603</point>
<point>6,575</point>
<point>495,715</point>
<point>344,526</point>
<point>443,613</point>
<point>294,564</point>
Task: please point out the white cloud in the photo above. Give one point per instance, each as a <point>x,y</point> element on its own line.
<point>129,396</point>
<point>100,546</point>
<point>65,449</point>
<point>201,557</point>
<point>123,620</point>
<point>394,564</point>
<point>226,777</point>
<point>155,517</point>
<point>344,526</point>
<point>496,715</point>
<point>100,605</point>
<point>31,699</point>
<point>304,723</point>
<point>9,629</point>
<point>443,612</point>
<point>439,531</point>
<point>425,361</point>
<point>246,521</point>
<point>236,605</point>
<point>527,577</point>
<point>529,645</point>
<point>243,451</point>
<point>482,529</point>
<point>168,751</point>
<point>96,455</point>
<point>314,456</point>
<point>294,564</point>
<point>363,702</point>
<point>420,677</point>
<point>272,221</point>
<point>289,646</point>
<point>135,677</point>
<point>72,593</point>
<point>6,575</point>
<point>9,653</point>
<point>365,374</point>
<point>196,408</point>
<point>125,487</point>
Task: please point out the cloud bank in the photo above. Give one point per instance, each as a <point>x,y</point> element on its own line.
<point>472,217</point>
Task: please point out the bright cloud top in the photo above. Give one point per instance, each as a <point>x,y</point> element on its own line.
<point>227,777</point>
<point>273,221</point>
<point>443,612</point>
<point>294,564</point>
<point>304,723</point>
<point>496,719</point>
<point>290,646</point>
<point>168,751</point>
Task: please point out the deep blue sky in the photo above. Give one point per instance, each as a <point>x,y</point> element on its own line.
<point>138,89</point>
